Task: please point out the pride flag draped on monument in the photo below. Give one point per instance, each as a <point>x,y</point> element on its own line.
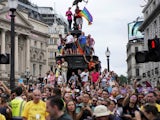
<point>86,14</point>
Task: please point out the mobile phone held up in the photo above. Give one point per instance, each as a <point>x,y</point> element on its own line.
<point>20,80</point>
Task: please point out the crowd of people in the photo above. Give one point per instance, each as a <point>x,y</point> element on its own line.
<point>73,44</point>
<point>85,95</point>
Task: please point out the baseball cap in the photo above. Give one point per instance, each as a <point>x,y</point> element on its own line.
<point>100,111</point>
<point>118,97</point>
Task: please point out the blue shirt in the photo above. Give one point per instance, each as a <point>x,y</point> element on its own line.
<point>82,39</point>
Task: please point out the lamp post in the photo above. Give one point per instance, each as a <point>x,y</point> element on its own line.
<point>27,75</point>
<point>107,53</point>
<point>12,5</point>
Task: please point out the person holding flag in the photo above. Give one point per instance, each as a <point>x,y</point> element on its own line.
<point>78,18</point>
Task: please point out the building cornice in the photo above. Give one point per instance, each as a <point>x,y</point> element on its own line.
<point>146,6</point>
<point>5,24</point>
<point>40,33</point>
<point>150,18</point>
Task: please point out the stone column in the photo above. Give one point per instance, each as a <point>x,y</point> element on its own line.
<point>16,54</point>
<point>3,49</point>
<point>28,53</point>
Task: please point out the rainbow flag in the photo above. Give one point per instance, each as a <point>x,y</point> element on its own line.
<point>86,14</point>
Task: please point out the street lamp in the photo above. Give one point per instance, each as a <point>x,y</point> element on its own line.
<point>12,5</point>
<point>107,53</point>
<point>27,75</point>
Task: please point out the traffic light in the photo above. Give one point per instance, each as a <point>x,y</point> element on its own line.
<point>4,58</point>
<point>141,57</point>
<point>154,50</point>
<point>153,44</point>
<point>153,53</point>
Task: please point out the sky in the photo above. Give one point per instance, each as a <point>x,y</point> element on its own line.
<point>109,28</point>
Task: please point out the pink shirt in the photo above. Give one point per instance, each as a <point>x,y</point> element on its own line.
<point>91,42</point>
<point>69,15</point>
<point>95,76</point>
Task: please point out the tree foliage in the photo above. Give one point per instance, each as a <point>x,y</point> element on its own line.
<point>122,79</point>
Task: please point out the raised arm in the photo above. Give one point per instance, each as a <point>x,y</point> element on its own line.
<point>85,59</point>
<point>7,90</point>
<point>126,100</point>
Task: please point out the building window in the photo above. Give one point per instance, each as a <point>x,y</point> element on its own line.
<point>147,33</point>
<point>154,4</point>
<point>152,72</point>
<point>40,69</point>
<point>137,72</point>
<point>34,69</point>
<point>34,56</point>
<point>148,73</point>
<point>156,71</point>
<point>35,43</point>
<point>55,41</point>
<point>51,68</point>
<point>51,55</point>
<point>146,13</point>
<point>155,27</point>
<point>35,16</point>
<point>159,24</point>
<point>136,49</point>
<point>55,54</point>
<point>144,75</point>
<point>40,58</point>
<point>51,41</point>
<point>41,45</point>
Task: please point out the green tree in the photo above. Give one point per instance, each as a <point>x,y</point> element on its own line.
<point>122,79</point>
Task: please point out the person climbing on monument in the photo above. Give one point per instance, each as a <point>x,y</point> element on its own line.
<point>77,18</point>
<point>69,17</point>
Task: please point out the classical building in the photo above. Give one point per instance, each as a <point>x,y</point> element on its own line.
<point>56,25</point>
<point>151,28</point>
<point>135,44</point>
<point>134,70</point>
<point>33,41</point>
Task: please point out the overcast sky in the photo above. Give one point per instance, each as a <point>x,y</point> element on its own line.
<point>109,28</point>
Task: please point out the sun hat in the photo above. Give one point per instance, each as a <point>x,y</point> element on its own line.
<point>100,111</point>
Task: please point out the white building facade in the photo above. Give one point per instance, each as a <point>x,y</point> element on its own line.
<point>151,28</point>
<point>31,37</point>
<point>36,37</point>
<point>134,70</point>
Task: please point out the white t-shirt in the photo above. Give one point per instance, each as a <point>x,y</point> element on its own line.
<point>104,77</point>
<point>60,79</point>
<point>69,39</point>
<point>59,42</point>
<point>84,76</point>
